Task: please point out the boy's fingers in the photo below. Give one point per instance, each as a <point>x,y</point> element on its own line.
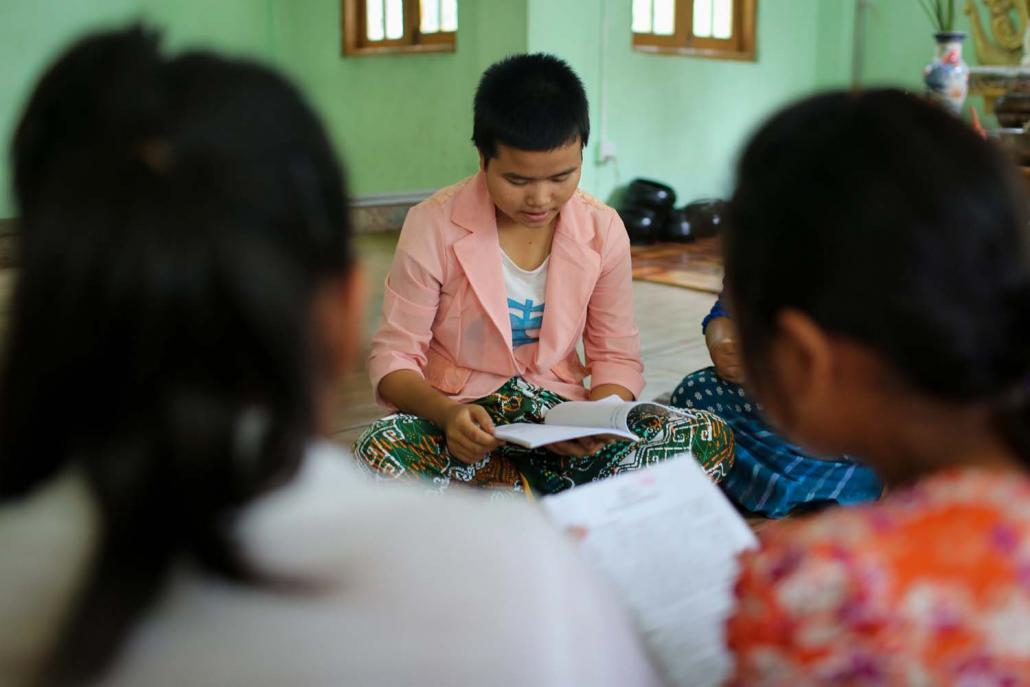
<point>474,442</point>
<point>478,436</point>
<point>558,449</point>
<point>571,448</point>
<point>480,429</point>
<point>482,418</point>
<point>463,452</point>
<point>586,444</point>
<point>457,443</point>
<point>581,447</point>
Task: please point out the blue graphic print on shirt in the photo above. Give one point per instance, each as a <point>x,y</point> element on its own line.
<point>526,320</point>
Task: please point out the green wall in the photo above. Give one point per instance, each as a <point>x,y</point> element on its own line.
<point>574,32</point>
<point>32,32</point>
<point>682,120</point>
<point>899,43</point>
<point>672,118</point>
<point>240,27</point>
<point>900,40</point>
<point>403,122</point>
<point>834,36</point>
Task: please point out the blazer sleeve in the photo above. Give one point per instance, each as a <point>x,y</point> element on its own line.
<point>410,300</point>
<point>611,340</point>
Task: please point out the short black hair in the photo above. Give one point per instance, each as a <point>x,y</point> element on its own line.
<point>530,102</point>
<point>890,222</point>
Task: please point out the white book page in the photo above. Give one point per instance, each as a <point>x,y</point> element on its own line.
<point>667,539</point>
<point>610,412</point>
<point>532,436</point>
<point>573,420</point>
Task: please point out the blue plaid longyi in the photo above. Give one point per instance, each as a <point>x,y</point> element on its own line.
<point>770,476</point>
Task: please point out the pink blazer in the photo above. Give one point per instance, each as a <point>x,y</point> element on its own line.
<point>445,310</point>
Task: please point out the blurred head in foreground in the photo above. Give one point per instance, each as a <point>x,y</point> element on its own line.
<point>877,265</point>
<point>185,302</point>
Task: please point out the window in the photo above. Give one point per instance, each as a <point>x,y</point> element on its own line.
<point>708,28</point>
<point>390,26</point>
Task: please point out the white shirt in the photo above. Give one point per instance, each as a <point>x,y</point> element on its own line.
<point>412,590</point>
<point>526,292</point>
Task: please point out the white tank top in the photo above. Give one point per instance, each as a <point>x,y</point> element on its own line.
<point>526,291</point>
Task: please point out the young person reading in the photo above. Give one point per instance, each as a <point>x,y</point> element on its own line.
<point>495,282</point>
<point>168,514</point>
<point>888,317</point>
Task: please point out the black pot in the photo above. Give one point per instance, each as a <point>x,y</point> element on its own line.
<point>642,224</point>
<point>1013,110</point>
<point>705,216</point>
<point>650,194</point>
<point>677,227</point>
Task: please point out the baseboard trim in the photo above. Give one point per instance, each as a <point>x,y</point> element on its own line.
<point>370,200</point>
<point>383,211</point>
<point>372,212</point>
<point>378,200</point>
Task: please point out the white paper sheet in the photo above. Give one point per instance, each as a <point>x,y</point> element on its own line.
<point>667,539</point>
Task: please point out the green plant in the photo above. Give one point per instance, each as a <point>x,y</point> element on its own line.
<point>941,14</point>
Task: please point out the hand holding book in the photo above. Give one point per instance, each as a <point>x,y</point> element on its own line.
<point>469,432</point>
<point>582,447</point>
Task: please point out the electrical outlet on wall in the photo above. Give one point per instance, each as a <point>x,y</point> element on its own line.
<point>606,151</point>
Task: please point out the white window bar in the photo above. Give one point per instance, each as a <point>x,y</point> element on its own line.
<point>703,18</point>
<point>449,15</point>
<point>641,16</point>
<point>429,16</point>
<point>664,17</point>
<point>394,19</point>
<point>374,20</point>
<point>722,22</point>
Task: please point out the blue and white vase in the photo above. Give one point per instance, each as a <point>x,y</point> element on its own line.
<point>947,77</point>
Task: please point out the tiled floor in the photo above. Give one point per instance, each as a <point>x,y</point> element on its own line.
<point>669,319</point>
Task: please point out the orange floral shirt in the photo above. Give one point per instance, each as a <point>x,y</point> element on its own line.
<point>931,586</point>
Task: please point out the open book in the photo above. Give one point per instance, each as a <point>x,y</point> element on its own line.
<point>667,540</point>
<point>575,419</point>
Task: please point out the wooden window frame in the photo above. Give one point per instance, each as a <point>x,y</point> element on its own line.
<point>413,41</point>
<point>683,41</point>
